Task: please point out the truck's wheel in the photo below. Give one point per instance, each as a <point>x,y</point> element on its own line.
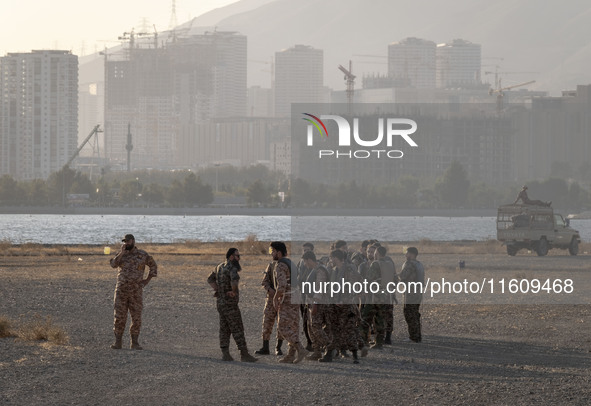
<point>573,248</point>
<point>512,250</point>
<point>542,247</point>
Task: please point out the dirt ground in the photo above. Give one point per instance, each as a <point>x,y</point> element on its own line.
<point>473,352</point>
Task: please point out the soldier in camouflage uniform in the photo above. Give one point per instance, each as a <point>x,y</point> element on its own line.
<point>412,271</point>
<point>224,280</point>
<point>289,313</point>
<point>388,276</point>
<point>269,313</point>
<point>317,304</point>
<point>346,317</point>
<point>131,263</point>
<point>372,312</point>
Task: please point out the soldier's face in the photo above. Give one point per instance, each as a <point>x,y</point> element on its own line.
<point>129,244</point>
<point>274,254</point>
<point>235,256</point>
<point>370,252</point>
<point>336,262</point>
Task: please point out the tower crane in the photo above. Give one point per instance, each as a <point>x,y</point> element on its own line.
<point>95,130</point>
<point>500,92</point>
<point>350,80</point>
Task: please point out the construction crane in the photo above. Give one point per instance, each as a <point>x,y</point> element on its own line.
<point>350,80</point>
<point>95,130</point>
<point>500,93</point>
<point>498,75</point>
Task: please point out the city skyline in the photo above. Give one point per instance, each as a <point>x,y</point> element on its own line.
<point>545,44</point>
<point>73,25</point>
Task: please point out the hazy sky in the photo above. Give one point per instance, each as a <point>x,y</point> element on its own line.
<point>73,24</point>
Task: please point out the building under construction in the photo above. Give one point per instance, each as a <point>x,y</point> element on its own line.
<point>163,92</point>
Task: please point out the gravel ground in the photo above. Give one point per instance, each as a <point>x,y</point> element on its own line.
<point>472,354</point>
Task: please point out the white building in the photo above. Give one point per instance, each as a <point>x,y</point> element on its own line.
<point>38,112</point>
<point>299,78</point>
<point>458,64</point>
<point>412,61</point>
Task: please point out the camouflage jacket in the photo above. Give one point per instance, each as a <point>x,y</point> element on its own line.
<point>413,274</point>
<point>223,276</point>
<point>268,281</point>
<point>131,266</point>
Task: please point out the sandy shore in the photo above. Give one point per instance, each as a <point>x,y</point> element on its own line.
<point>472,353</point>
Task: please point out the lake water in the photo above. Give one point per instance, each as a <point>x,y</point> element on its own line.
<point>109,229</point>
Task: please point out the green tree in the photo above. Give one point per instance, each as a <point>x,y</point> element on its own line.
<point>59,184</point>
<point>406,191</point>
<point>130,191</point>
<point>197,193</point>
<point>37,192</point>
<point>257,193</point>
<point>453,186</point>
<point>153,194</point>
<point>301,193</point>
<point>104,193</point>
<point>10,192</point>
<point>482,196</point>
<point>175,196</point>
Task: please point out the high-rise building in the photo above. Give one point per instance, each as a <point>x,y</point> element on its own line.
<point>412,62</point>
<point>164,93</point>
<point>38,112</point>
<point>458,64</point>
<point>299,78</point>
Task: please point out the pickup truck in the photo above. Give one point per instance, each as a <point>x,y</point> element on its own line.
<point>535,228</point>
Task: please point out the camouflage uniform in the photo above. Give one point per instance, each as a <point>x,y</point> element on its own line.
<point>346,316</point>
<point>372,311</point>
<point>319,322</point>
<point>129,289</point>
<point>288,313</point>
<point>228,310</point>
<point>413,271</point>
<point>269,313</point>
<point>388,275</point>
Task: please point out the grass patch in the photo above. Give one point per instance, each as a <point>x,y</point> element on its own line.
<point>252,245</point>
<point>41,329</point>
<point>5,327</point>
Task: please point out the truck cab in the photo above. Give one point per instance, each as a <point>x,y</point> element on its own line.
<point>536,228</point>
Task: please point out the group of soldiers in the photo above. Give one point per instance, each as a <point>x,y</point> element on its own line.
<point>333,325</point>
<point>336,324</point>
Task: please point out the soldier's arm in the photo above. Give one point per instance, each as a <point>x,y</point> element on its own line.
<point>116,262</point>
<point>407,270</point>
<point>281,271</point>
<point>267,283</point>
<point>234,282</point>
<point>211,280</point>
<point>321,280</point>
<point>153,270</point>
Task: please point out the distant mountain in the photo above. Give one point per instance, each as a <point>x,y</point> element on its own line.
<point>552,38</point>
<point>549,42</point>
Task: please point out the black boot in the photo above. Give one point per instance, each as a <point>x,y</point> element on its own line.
<point>388,340</point>
<point>355,358</point>
<point>264,350</point>
<point>327,356</point>
<point>226,354</point>
<point>246,357</point>
<point>278,348</point>
<point>118,342</point>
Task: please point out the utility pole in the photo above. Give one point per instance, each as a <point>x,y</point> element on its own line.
<point>129,147</point>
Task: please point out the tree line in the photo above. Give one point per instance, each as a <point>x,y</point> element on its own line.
<point>258,186</point>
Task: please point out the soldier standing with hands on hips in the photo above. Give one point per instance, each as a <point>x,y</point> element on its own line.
<point>131,263</point>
